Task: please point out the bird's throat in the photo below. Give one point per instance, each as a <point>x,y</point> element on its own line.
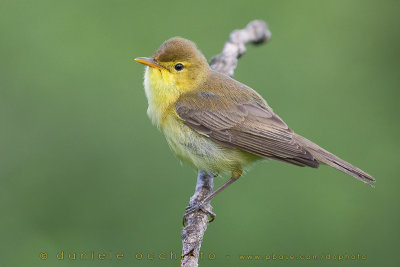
<point>161,92</point>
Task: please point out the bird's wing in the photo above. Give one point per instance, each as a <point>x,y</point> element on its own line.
<point>242,122</point>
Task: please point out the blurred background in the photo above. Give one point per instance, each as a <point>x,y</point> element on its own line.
<point>83,170</point>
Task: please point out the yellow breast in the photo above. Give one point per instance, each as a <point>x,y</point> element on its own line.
<point>161,93</point>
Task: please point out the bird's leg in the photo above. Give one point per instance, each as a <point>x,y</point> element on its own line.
<point>199,206</point>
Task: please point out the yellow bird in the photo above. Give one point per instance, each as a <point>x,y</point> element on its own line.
<point>218,124</point>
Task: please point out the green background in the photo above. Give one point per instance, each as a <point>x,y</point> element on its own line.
<point>83,169</point>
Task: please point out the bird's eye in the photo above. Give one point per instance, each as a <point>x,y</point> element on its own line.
<point>179,67</point>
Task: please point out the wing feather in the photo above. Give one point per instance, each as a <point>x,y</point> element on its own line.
<point>243,123</point>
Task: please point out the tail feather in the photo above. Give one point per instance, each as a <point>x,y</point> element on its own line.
<point>328,158</point>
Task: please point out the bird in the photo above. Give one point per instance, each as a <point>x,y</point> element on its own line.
<point>219,125</point>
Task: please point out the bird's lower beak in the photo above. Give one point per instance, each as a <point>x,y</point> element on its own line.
<point>150,62</point>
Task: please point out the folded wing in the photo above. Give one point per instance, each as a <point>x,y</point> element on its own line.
<point>244,123</point>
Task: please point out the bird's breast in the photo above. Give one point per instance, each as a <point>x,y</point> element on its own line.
<point>200,151</point>
<point>161,93</point>
<point>189,145</point>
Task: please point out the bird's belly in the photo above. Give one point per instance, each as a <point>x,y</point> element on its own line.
<point>202,152</point>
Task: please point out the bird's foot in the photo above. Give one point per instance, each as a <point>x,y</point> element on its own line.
<point>198,207</point>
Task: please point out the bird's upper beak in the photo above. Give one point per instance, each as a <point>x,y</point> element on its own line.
<point>151,62</point>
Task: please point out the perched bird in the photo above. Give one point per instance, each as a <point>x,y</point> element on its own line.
<point>218,124</point>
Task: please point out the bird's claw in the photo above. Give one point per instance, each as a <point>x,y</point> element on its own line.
<point>198,207</point>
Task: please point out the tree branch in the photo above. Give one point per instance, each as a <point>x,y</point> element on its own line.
<point>256,32</point>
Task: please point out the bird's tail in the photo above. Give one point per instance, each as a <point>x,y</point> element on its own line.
<point>324,156</point>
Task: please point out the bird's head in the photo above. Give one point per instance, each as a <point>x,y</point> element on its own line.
<point>177,63</point>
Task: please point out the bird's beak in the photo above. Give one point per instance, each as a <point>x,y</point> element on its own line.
<point>150,62</point>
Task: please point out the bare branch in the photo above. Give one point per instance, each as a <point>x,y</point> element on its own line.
<point>256,32</point>
<point>192,234</point>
